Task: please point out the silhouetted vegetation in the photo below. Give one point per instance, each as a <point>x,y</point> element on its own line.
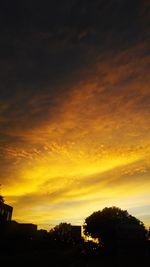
<point>66,233</point>
<point>122,242</point>
<point>115,227</point>
<point>61,232</point>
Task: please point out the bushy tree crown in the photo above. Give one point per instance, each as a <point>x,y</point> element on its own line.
<point>112,225</point>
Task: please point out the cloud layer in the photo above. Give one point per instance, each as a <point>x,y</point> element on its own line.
<point>74,108</point>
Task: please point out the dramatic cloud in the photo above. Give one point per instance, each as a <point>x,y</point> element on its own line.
<point>74,108</point>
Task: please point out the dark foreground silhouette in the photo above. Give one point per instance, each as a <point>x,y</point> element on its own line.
<point>122,242</point>
<point>47,253</point>
<point>45,249</point>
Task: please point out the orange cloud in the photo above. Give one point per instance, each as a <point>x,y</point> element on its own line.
<point>91,150</point>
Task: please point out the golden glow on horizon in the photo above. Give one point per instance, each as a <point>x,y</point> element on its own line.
<point>95,153</point>
<point>47,169</point>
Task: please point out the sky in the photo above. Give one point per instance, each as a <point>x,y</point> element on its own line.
<point>74,108</point>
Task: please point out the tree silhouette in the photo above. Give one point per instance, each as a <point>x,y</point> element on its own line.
<point>113,227</point>
<point>61,232</point>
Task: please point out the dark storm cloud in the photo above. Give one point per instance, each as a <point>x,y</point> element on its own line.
<point>34,44</point>
<point>47,46</point>
<point>49,43</point>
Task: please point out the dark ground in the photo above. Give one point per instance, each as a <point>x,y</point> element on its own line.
<point>71,256</point>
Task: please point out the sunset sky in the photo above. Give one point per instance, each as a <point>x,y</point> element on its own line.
<point>74,108</point>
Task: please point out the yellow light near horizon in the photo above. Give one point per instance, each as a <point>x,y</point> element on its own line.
<point>59,172</point>
<point>94,151</point>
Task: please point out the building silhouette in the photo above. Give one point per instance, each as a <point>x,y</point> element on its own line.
<point>27,230</point>
<point>5,213</point>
